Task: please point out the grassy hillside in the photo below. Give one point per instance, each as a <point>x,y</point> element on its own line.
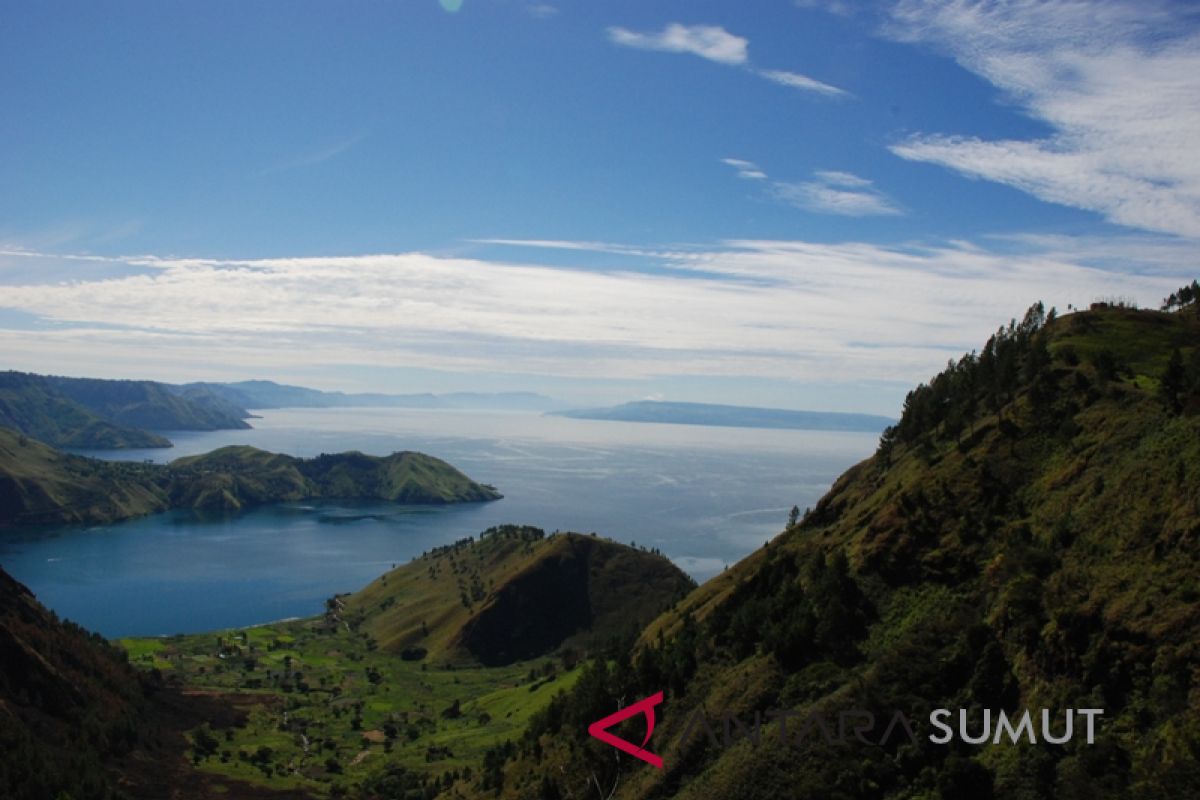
<point>147,404</point>
<point>1027,536</point>
<point>31,405</point>
<point>385,695</point>
<point>106,414</point>
<point>238,476</point>
<point>39,485</point>
<point>516,594</point>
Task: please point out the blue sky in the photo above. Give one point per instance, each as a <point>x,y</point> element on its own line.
<point>806,204</point>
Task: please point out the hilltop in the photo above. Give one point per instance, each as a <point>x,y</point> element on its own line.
<point>40,485</point>
<point>1026,536</point>
<point>517,594</point>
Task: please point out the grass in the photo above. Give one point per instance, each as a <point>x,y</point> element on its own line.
<point>333,709</point>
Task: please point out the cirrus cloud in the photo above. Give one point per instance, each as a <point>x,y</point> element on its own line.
<point>835,192</point>
<point>714,43</point>
<point>1117,82</point>
<point>797,81</point>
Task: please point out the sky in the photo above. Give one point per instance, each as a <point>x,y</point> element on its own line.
<point>809,204</point>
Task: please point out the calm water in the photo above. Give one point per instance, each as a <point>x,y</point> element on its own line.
<point>704,496</point>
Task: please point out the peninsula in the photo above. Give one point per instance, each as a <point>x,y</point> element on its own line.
<point>41,485</point>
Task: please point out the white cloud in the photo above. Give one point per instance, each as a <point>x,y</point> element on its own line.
<point>792,309</point>
<point>1117,82</point>
<point>707,41</point>
<point>835,192</point>
<point>802,82</point>
<point>835,177</point>
<point>716,44</point>
<point>542,10</point>
<point>745,169</point>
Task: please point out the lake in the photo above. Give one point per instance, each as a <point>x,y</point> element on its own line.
<point>704,496</point>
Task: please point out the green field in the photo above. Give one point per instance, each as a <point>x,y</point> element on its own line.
<point>326,708</point>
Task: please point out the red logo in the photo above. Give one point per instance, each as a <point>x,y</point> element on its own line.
<point>599,729</point>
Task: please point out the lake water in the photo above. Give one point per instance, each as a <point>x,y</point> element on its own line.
<point>704,496</point>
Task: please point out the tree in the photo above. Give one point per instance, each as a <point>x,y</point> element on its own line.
<point>1174,383</point>
<point>1183,297</point>
<point>793,516</point>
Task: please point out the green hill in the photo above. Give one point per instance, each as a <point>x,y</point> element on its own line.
<point>238,476</point>
<point>31,404</point>
<point>1026,537</point>
<point>39,485</point>
<point>153,405</point>
<point>107,414</point>
<point>516,594</point>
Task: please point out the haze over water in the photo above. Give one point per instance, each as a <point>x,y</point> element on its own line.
<point>704,496</point>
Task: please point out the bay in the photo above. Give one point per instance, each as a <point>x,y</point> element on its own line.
<point>704,496</point>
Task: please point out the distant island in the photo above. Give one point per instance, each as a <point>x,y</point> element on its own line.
<point>40,485</point>
<point>732,416</point>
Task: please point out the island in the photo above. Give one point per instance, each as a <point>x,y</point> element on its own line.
<point>731,416</point>
<point>41,485</point>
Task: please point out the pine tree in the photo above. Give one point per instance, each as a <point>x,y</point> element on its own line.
<point>1174,382</point>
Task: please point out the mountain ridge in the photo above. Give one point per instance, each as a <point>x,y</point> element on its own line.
<point>94,413</point>
<point>1026,536</point>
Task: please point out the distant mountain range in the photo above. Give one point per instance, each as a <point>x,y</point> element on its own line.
<point>732,416</point>
<point>92,413</point>
<point>268,394</point>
